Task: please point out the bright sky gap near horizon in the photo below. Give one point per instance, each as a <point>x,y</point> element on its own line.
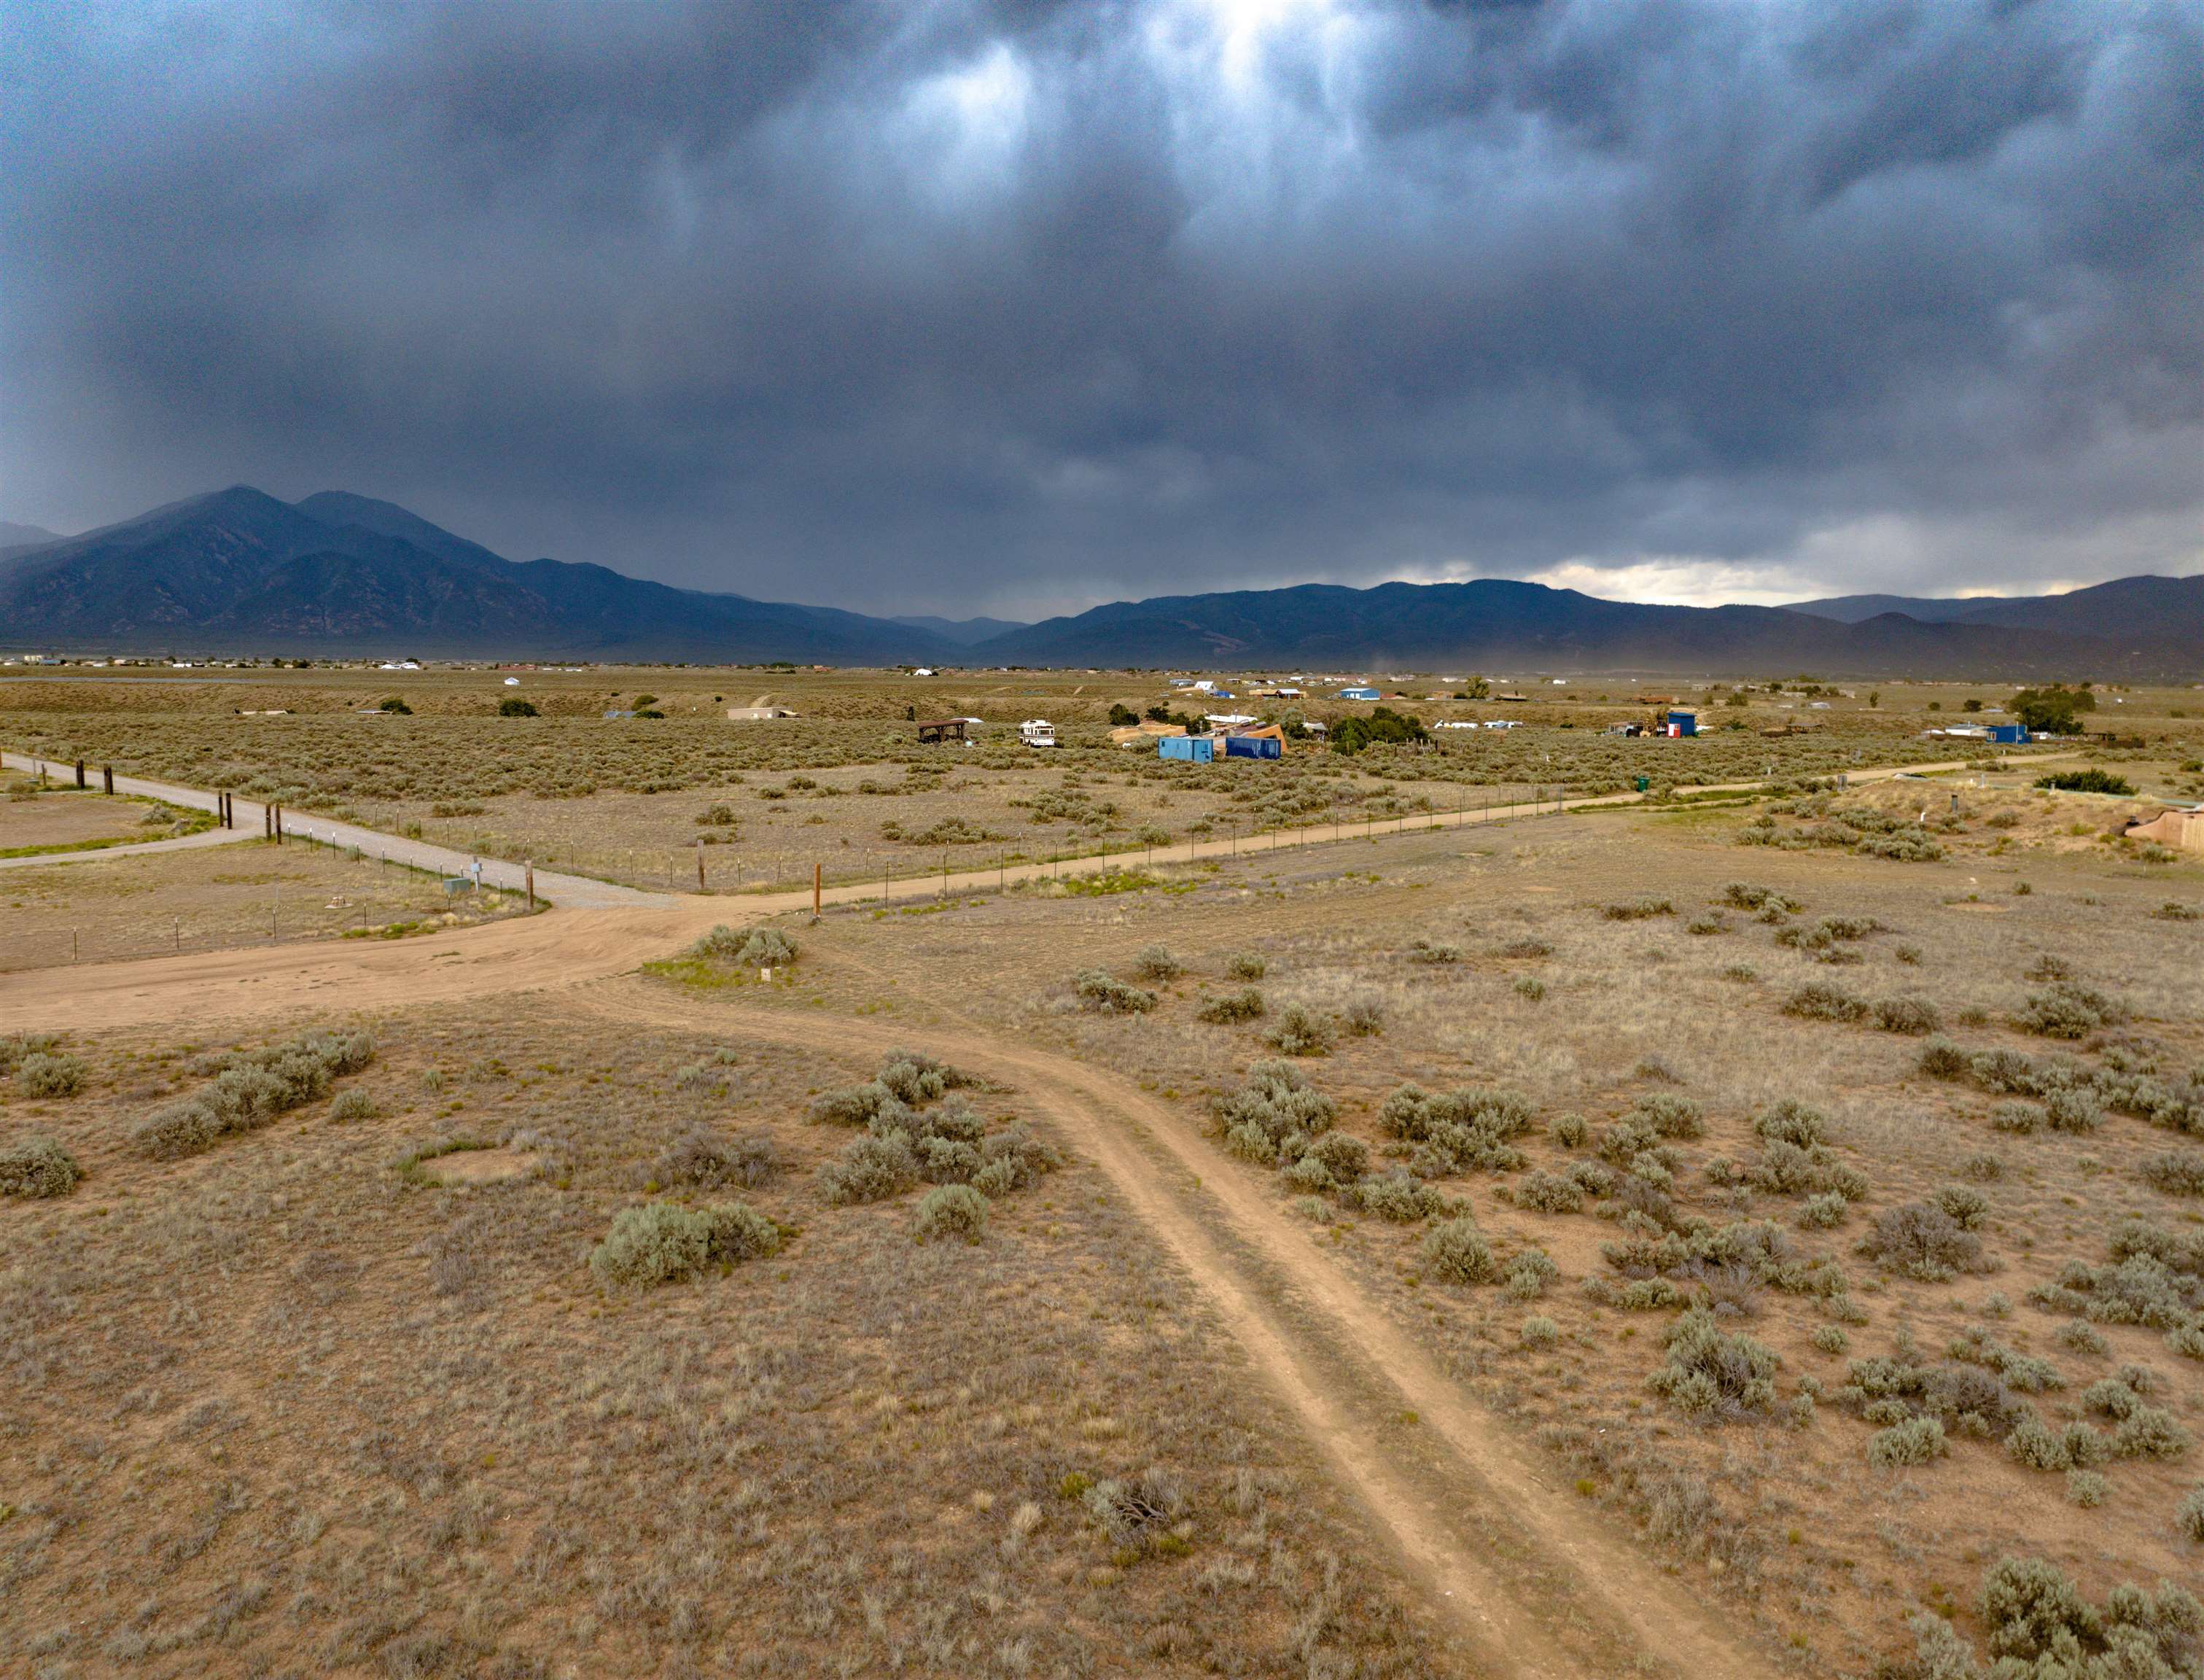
<point>1015,308</point>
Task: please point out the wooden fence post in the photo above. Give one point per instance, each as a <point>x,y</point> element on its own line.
<point>107,778</point>
<point>530,867</point>
<point>818,881</point>
<point>700,862</point>
<point>80,781</point>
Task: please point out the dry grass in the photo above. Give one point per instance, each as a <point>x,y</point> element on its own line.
<point>219,898</point>
<point>1819,1537</point>
<point>301,1404</point>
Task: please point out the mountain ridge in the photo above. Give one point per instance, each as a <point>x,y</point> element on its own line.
<point>241,570</point>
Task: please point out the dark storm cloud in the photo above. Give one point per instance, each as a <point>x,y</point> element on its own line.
<point>966,306</point>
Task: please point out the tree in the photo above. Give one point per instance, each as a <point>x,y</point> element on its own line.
<point>1970,705</point>
<point>396,707</point>
<point>1123,716</point>
<point>513,706</point>
<point>2055,711</point>
<point>1158,713</point>
<point>1353,734</point>
<point>1874,699</point>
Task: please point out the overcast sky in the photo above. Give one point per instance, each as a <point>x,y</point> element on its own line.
<point>1014,308</point>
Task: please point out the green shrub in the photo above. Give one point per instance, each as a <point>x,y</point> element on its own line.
<point>662,1243</point>
<point>1712,1374</point>
<point>1529,987</point>
<point>1275,1110</point>
<point>1110,995</point>
<point>2149,1431</point>
<point>513,706</point>
<point>2067,1010</point>
<point>1941,1059</point>
<point>1548,1192</point>
<point>2091,781</point>
<point>1300,1032</point>
<point>1570,1131</point>
<point>952,1210</point>
<point>1915,1441</point>
<point>36,1167</point>
<point>1137,1513</point>
<point>707,1161</point>
<point>353,1105</point>
<point>250,1090</point>
<point>1675,1117</point>
<point>1458,1131</point>
<point>1228,1008</point>
<point>1922,1241</point>
<point>1530,1274</point>
<point>1824,1211</point>
<point>1398,1197</point>
<point>1245,965</point>
<point>1156,962</point>
<point>1791,1122</point>
<point>15,1046</point>
<point>1968,1207</point>
<point>1820,1002</point>
<point>2188,1519</point>
<point>1641,909</point>
<point>1455,1251</point>
<point>1915,1017</point>
<point>869,1169</point>
<point>50,1073</point>
<point>1830,1339</point>
<point>2087,1488</point>
<point>1540,1331</point>
<point>2176,1174</point>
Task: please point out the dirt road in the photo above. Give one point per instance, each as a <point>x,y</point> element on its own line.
<point>1540,1584</point>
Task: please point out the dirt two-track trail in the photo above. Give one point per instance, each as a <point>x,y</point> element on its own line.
<point>1539,1587</point>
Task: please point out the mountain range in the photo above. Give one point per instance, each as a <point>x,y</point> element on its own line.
<point>239,571</point>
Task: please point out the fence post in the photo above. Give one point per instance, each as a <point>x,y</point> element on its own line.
<point>530,867</point>
<point>107,778</point>
<point>817,881</point>
<point>80,781</point>
<point>700,862</point>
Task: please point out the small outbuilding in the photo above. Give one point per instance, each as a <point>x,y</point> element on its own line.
<point>1193,749</point>
<point>1361,691</point>
<point>942,729</point>
<point>756,714</point>
<point>2177,830</point>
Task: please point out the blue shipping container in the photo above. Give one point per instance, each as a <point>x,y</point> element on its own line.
<point>1199,749</point>
<point>1687,723</point>
<point>2009,734</point>
<point>1251,747</point>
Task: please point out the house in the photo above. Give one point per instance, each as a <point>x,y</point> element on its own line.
<point>1226,720</point>
<point>1503,723</point>
<point>1360,691</point>
<point>759,714</point>
<point>2009,734</point>
<point>1256,743</point>
<point>1193,749</point>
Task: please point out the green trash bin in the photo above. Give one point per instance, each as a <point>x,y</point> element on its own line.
<point>1644,782</point>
